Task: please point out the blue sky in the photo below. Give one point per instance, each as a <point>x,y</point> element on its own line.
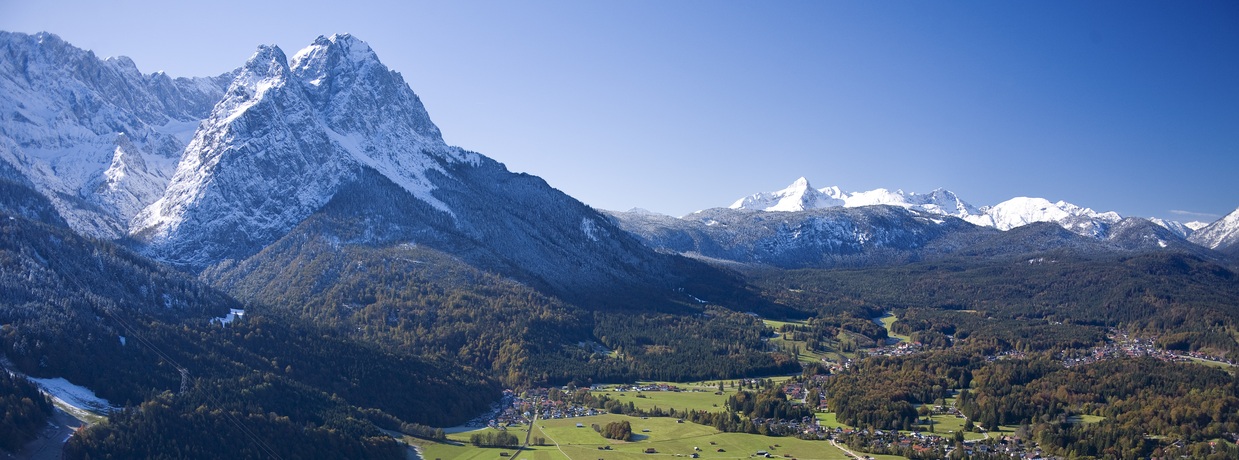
<point>676,106</point>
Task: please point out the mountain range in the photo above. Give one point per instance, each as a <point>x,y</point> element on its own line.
<point>315,192</point>
<point>193,172</point>
<point>802,226</point>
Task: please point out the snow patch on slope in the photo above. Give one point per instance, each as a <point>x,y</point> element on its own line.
<point>75,395</point>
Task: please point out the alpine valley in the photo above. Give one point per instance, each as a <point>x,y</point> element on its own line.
<point>287,260</point>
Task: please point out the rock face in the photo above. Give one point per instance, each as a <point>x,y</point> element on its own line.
<point>333,125</point>
<point>1222,235</point>
<point>282,141</point>
<point>96,136</point>
<point>200,171</point>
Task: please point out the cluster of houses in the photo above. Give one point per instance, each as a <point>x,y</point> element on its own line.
<point>1123,345</point>
<point>921,443</point>
<point>536,401</point>
<point>636,387</point>
<point>898,349</point>
<point>496,409</point>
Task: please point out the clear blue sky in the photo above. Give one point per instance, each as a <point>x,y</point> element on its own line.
<point>676,106</point>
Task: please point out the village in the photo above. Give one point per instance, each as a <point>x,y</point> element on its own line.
<point>519,409</point>
<point>1124,345</point>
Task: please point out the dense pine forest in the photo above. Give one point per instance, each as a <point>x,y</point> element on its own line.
<point>24,411</point>
<point>1039,301</point>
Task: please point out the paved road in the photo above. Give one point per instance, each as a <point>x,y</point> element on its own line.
<point>51,440</point>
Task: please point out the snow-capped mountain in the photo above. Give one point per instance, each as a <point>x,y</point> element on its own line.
<point>282,141</point>
<point>330,143</point>
<point>96,136</point>
<point>1220,235</point>
<point>1184,230</point>
<point>830,236</point>
<point>875,235</point>
<point>1196,225</point>
<point>1009,214</point>
<point>1021,211</point>
<point>801,226</point>
<point>801,196</point>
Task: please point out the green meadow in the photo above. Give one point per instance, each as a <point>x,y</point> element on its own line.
<point>705,399</point>
<point>665,435</point>
<point>805,356</point>
<point>887,321</point>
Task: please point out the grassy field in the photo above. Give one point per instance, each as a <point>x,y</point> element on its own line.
<point>1211,363</point>
<point>947,424</point>
<point>693,400</point>
<point>667,437</point>
<point>829,420</point>
<point>1085,419</point>
<point>805,356</point>
<point>887,321</point>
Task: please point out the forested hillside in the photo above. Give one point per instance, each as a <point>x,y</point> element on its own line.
<point>1190,302</point>
<point>105,318</point>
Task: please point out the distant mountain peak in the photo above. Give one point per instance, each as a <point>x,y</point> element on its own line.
<point>1016,212</point>
<point>1222,234</point>
<point>800,196</point>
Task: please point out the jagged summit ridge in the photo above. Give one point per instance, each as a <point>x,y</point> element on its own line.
<point>281,142</point>
<point>96,136</point>
<point>1013,213</point>
<point>800,196</point>
<point>1021,211</point>
<point>1222,234</point>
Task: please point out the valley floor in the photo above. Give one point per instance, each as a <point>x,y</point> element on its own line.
<point>574,439</point>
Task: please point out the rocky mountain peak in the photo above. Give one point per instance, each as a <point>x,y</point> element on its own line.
<point>1222,234</point>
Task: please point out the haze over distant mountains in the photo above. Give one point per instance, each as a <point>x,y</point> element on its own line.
<point>802,226</point>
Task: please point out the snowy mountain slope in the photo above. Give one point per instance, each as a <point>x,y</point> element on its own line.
<point>801,196</point>
<point>96,136</point>
<point>812,238</point>
<point>1021,211</point>
<point>1009,214</point>
<point>332,144</point>
<point>876,236</point>
<point>284,138</point>
<point>199,172</point>
<point>800,226</point>
<point>1178,228</point>
<point>1196,225</point>
<point>1221,235</point>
